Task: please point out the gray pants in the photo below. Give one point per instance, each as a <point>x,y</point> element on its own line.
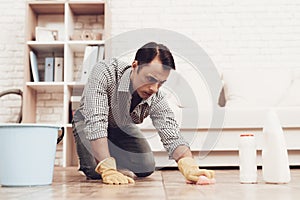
<point>127,145</point>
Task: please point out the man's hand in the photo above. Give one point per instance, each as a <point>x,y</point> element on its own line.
<point>108,171</point>
<point>190,170</point>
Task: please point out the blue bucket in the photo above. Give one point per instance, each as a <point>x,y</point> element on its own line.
<point>27,154</point>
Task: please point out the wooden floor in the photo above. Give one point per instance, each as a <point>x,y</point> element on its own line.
<point>163,184</point>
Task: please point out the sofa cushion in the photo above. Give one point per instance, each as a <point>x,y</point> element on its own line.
<point>255,87</point>
<point>255,117</point>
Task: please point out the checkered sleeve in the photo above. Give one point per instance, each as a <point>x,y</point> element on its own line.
<point>95,100</point>
<point>164,121</point>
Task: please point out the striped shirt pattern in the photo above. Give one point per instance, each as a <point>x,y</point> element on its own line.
<point>106,103</point>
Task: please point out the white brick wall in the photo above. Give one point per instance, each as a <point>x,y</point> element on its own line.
<point>50,107</point>
<point>251,33</point>
<point>12,22</point>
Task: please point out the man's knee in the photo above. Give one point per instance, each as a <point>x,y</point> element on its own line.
<point>146,166</point>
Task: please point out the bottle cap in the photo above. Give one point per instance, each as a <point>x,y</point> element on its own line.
<point>246,134</point>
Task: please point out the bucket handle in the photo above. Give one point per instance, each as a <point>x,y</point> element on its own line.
<point>61,136</point>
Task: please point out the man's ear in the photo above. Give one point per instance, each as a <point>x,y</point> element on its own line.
<point>135,64</point>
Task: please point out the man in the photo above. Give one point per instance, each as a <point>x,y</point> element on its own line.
<point>116,97</point>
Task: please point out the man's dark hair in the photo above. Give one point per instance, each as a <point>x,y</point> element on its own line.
<point>149,51</point>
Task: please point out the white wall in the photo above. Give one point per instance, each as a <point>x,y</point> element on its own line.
<point>249,33</point>
<point>12,22</point>
<point>235,34</point>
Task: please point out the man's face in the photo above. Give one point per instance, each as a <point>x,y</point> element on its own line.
<point>149,78</point>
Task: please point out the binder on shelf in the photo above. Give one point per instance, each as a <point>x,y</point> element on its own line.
<point>58,69</point>
<point>49,69</point>
<point>89,60</point>
<point>100,53</point>
<point>34,66</point>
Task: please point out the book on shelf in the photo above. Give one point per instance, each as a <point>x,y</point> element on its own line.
<point>100,53</point>
<point>58,69</point>
<point>34,66</point>
<point>49,69</point>
<point>89,60</point>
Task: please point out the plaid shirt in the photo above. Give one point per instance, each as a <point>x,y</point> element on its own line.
<point>106,103</point>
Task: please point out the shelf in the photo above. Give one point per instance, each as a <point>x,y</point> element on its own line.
<point>79,46</point>
<point>43,47</point>
<point>72,19</point>
<point>46,86</point>
<point>87,8</point>
<point>75,85</point>
<point>47,7</point>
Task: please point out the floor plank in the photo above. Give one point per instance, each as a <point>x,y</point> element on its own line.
<point>229,187</point>
<point>68,183</point>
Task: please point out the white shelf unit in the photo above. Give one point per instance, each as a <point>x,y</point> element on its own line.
<point>62,16</point>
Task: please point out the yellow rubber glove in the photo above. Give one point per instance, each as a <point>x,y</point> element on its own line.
<point>108,171</point>
<point>190,170</point>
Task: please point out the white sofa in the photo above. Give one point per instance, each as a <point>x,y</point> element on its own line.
<point>246,97</point>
